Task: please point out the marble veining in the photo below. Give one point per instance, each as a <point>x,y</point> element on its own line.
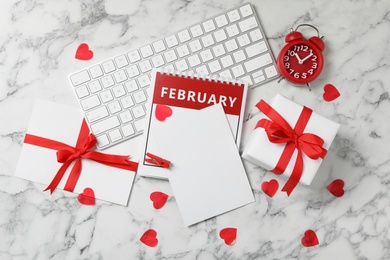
<point>38,40</point>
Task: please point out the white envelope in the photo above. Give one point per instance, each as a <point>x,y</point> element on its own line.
<point>206,174</point>
<point>62,123</point>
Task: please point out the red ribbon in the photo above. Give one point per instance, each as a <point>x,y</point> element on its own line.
<point>279,131</point>
<point>66,154</point>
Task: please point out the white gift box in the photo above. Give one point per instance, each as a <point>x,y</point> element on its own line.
<point>260,151</point>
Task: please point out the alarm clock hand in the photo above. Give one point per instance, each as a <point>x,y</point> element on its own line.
<point>298,58</point>
<point>308,56</point>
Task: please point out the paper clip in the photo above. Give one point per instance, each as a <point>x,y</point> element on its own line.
<point>157,160</point>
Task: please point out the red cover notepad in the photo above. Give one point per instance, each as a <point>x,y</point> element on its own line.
<point>188,92</point>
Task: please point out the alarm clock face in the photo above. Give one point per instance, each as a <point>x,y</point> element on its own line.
<point>300,62</point>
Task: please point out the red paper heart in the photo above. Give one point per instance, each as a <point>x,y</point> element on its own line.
<point>270,187</point>
<point>336,187</point>
<point>87,197</point>
<point>330,93</point>
<point>83,52</point>
<point>149,238</point>
<point>159,199</point>
<point>309,239</point>
<point>162,112</point>
<point>229,235</point>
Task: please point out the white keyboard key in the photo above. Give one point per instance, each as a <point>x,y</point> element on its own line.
<point>82,91</point>
<point>227,61</point>
<point>259,79</point>
<point>121,61</point>
<point>270,71</point>
<point>257,74</point>
<point>194,60</point>
<point>181,65</point>
<point>208,26</point>
<point>140,124</point>
<point>256,49</point>
<point>131,86</point>
<point>104,125</point>
<point>170,56</point>
<point>220,35</point>
<point>206,55</point>
<point>221,20</point>
<point>127,102</point>
<point>184,36</point>
<point>97,114</point>
<point>138,111</point>
<point>125,117</point>
<point>159,46</point>
<point>171,41</point>
<point>248,24</point>
<point>169,67</point>
<point>107,81</point>
<point>207,40</point>
<point>232,30</point>
<point>106,96</point>
<point>256,35</point>
<point>108,66</point>
<point>231,45</point>
<point>134,56</point>
<point>196,31</point>
<point>239,56</point>
<point>127,130</point>
<point>115,135</point>
<point>226,74</point>
<point>94,86</point>
<point>195,45</point>
<point>96,71</point>
<point>214,66</point>
<point>119,91</point>
<point>233,16</point>
<point>90,102</point>
<point>144,81</point>
<point>202,70</point>
<point>145,66</point>
<point>182,51</point>
<point>80,78</point>
<point>102,140</point>
<point>132,71</point>
<point>258,62</point>
<point>114,107</point>
<point>158,61</point>
<point>246,10</point>
<point>139,97</point>
<point>247,79</point>
<point>218,50</point>
<point>243,40</point>
<point>146,51</point>
<point>238,71</point>
<point>120,76</point>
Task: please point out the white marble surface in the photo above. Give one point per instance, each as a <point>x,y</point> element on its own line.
<point>38,40</point>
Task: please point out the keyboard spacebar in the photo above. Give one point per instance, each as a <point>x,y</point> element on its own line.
<point>258,62</point>
<point>105,125</point>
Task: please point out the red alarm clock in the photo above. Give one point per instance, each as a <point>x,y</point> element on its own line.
<point>301,60</point>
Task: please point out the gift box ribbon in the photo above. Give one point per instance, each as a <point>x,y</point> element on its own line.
<point>67,154</point>
<point>279,131</point>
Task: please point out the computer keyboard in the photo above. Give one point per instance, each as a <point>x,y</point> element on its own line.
<point>112,94</point>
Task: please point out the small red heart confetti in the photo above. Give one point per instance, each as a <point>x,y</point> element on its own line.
<point>159,199</point>
<point>162,112</point>
<point>336,187</point>
<point>229,235</point>
<point>87,197</point>
<point>149,238</point>
<point>83,52</point>
<point>330,93</point>
<point>309,239</point>
<point>270,187</point>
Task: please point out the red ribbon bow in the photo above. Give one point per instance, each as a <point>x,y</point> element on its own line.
<point>279,131</point>
<point>66,154</point>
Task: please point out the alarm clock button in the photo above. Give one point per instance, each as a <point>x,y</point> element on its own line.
<point>293,36</point>
<point>317,41</point>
